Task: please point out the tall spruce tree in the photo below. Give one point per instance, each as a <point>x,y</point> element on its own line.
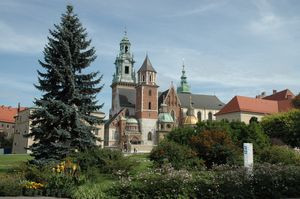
<point>63,121</point>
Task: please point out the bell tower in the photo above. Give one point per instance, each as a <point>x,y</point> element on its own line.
<point>124,79</point>
<point>124,63</point>
<point>146,101</point>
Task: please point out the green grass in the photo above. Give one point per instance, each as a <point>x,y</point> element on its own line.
<point>9,162</point>
<point>143,162</point>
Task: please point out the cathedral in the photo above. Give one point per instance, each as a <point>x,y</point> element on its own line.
<point>140,114</point>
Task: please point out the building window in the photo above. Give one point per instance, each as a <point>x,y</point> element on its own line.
<point>168,126</point>
<point>7,126</point>
<point>199,116</point>
<point>127,113</point>
<point>210,116</point>
<point>96,131</point>
<point>126,49</point>
<point>149,136</point>
<point>161,126</point>
<point>149,105</point>
<point>143,78</point>
<point>150,92</point>
<point>126,69</point>
<point>173,115</point>
<point>150,78</point>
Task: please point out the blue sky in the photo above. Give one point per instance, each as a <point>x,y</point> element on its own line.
<point>230,47</point>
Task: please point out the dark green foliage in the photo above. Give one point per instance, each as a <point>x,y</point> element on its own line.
<point>105,161</point>
<point>179,156</point>
<point>10,185</point>
<point>284,126</point>
<point>266,181</point>
<point>252,133</point>
<point>182,135</point>
<point>63,123</point>
<point>280,155</point>
<point>296,101</point>
<point>214,147</point>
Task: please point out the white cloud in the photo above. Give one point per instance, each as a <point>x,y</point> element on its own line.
<point>12,40</point>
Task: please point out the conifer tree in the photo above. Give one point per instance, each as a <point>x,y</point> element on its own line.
<point>62,121</point>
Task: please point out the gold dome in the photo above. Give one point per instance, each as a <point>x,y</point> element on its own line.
<point>190,120</point>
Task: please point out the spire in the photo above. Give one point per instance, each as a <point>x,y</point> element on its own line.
<point>147,66</point>
<point>184,87</point>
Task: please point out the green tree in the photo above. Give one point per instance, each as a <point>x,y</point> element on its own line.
<point>214,147</point>
<point>63,121</point>
<point>296,101</point>
<point>284,126</point>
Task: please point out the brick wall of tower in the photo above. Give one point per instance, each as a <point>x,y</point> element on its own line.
<point>146,94</point>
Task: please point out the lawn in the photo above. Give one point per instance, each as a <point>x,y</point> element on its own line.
<point>9,162</point>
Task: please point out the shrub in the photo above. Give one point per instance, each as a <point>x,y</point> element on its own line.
<point>103,160</point>
<point>10,184</point>
<point>280,154</point>
<point>179,156</point>
<point>284,126</point>
<point>214,147</point>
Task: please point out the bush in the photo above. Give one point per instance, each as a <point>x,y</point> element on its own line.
<point>280,155</point>
<point>284,126</point>
<point>103,161</point>
<point>179,156</point>
<point>214,147</point>
<point>159,183</point>
<point>10,184</point>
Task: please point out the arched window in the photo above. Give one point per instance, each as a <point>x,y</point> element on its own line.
<point>253,120</point>
<point>143,78</point>
<point>199,116</point>
<point>149,136</point>
<point>150,78</point>
<point>150,92</point>
<point>126,49</point>
<point>210,116</point>
<point>173,115</point>
<point>149,105</point>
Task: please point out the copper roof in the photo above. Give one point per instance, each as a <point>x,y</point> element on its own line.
<point>8,113</point>
<point>247,104</point>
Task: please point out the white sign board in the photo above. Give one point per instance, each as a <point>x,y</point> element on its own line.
<point>248,155</point>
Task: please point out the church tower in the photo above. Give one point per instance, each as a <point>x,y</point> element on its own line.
<point>124,80</point>
<point>184,87</point>
<point>146,102</point>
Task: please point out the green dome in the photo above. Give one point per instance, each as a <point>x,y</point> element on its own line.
<point>165,117</point>
<point>132,121</point>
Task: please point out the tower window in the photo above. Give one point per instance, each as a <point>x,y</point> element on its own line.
<point>126,49</point>
<point>150,78</point>
<point>143,78</point>
<point>126,69</point>
<point>150,93</point>
<point>149,136</point>
<point>149,105</point>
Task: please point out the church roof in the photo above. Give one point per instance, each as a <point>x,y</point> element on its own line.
<point>147,66</point>
<point>282,95</point>
<point>200,101</point>
<point>127,97</point>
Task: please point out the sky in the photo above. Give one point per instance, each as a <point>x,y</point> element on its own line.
<point>229,47</point>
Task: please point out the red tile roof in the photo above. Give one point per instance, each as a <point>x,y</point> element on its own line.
<point>248,104</point>
<point>282,95</point>
<point>8,113</point>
